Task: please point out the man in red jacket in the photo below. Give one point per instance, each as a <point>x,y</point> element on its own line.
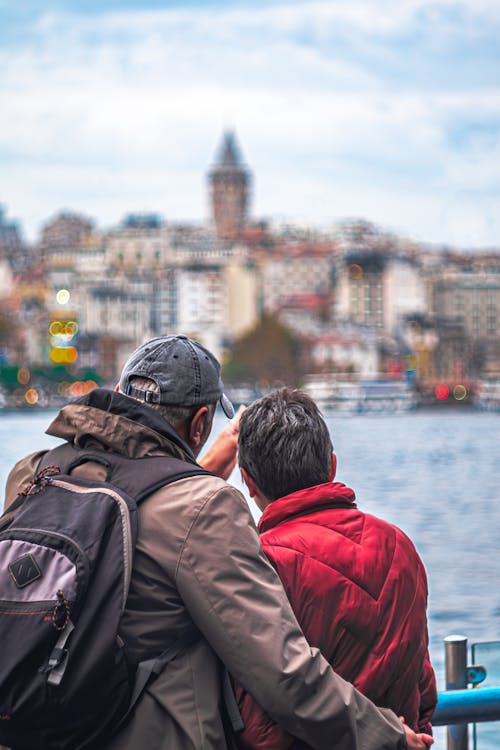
<point>356,583</point>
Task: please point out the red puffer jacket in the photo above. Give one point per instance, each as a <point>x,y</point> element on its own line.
<point>359,591</point>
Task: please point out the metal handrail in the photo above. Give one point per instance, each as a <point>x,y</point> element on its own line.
<point>467,706</point>
<point>459,706</point>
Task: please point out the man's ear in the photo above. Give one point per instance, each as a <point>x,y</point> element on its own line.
<point>333,467</point>
<point>197,427</point>
<point>260,500</point>
<point>252,487</point>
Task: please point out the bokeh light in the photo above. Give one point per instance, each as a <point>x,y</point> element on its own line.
<point>64,330</point>
<point>31,396</point>
<point>355,271</point>
<point>63,297</point>
<point>460,392</point>
<point>442,392</point>
<point>63,355</point>
<point>77,389</point>
<point>23,375</point>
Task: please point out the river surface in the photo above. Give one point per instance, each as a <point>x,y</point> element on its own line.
<point>434,474</point>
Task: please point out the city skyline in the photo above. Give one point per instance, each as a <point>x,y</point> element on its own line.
<point>385,111</point>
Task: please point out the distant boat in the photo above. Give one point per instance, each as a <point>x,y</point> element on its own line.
<point>242,394</point>
<point>487,395</point>
<point>361,396</point>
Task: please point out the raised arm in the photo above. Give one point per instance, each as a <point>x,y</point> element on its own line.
<point>220,458</point>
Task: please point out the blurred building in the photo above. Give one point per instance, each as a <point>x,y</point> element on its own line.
<point>379,289</point>
<point>6,279</point>
<point>139,243</point>
<point>62,238</point>
<point>12,248</point>
<point>211,292</point>
<point>466,299</point>
<point>291,269</point>
<point>346,353</point>
<point>361,300</point>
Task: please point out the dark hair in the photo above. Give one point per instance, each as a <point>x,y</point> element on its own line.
<point>284,443</point>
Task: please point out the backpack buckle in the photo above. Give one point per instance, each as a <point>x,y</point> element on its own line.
<point>58,659</point>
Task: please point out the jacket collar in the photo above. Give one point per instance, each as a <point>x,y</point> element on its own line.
<point>312,499</point>
<point>118,423</point>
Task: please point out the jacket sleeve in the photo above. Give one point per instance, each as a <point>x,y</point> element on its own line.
<point>428,697</point>
<point>236,599</point>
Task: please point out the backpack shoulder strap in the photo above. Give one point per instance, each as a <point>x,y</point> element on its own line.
<point>145,669</point>
<point>60,456</point>
<point>139,477</point>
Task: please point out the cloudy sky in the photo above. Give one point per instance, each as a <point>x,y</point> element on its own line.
<point>382,109</point>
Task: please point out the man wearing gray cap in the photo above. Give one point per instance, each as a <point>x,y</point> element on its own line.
<point>198,561</point>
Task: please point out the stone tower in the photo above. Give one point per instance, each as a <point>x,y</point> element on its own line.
<point>229,187</point>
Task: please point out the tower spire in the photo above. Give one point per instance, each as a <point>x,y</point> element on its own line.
<point>229,155</point>
<point>229,181</point>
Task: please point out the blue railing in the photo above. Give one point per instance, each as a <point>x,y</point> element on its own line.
<point>467,706</point>
<point>460,705</point>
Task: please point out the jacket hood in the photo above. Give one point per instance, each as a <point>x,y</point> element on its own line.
<point>309,500</point>
<point>117,423</point>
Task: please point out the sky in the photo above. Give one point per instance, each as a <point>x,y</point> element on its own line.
<point>387,110</point>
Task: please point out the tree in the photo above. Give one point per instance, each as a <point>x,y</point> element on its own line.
<point>267,355</point>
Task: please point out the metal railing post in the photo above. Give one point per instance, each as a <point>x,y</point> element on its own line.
<point>455,660</point>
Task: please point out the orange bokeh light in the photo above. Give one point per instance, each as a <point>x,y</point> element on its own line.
<point>77,388</point>
<point>31,396</point>
<point>23,375</point>
<point>355,271</point>
<point>63,355</point>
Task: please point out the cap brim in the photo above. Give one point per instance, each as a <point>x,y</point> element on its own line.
<point>227,406</point>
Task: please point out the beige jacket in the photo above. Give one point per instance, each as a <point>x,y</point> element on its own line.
<point>198,559</point>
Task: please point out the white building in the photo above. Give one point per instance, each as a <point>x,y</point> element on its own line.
<point>404,292</point>
<point>344,353</point>
<point>140,243</point>
<point>6,279</point>
<point>118,312</point>
<point>379,290</point>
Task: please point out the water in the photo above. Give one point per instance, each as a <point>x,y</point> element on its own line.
<point>434,474</point>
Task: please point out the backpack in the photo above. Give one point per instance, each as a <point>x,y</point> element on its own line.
<point>66,549</point>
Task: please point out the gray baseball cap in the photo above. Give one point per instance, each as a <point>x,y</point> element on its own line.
<point>186,374</point>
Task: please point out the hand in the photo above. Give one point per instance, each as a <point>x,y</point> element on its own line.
<point>221,457</point>
<point>416,741</point>
<point>234,423</point>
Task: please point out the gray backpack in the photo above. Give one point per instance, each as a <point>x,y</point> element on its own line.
<point>66,551</point>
